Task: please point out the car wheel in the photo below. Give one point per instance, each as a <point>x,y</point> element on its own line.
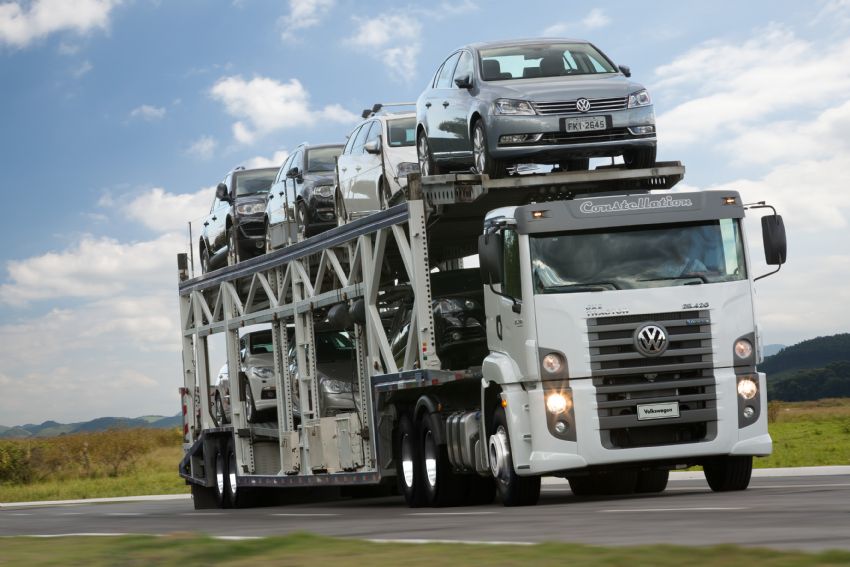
<point>232,247</point>
<point>408,463</point>
<point>339,209</point>
<point>427,165</point>
<point>484,162</point>
<point>220,414</point>
<point>514,490</point>
<point>301,218</point>
<point>577,164</point>
<point>250,406</point>
<point>639,158</point>
<point>728,473</point>
<point>384,193</point>
<point>205,260</point>
<point>268,247</point>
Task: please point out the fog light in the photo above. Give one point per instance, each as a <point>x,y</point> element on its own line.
<point>519,138</point>
<point>638,130</point>
<point>456,336</point>
<point>561,427</point>
<point>749,412</point>
<point>557,402</point>
<point>743,348</point>
<point>747,388</point>
<point>553,363</point>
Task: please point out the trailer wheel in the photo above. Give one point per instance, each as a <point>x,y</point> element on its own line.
<point>514,490</point>
<point>652,481</point>
<point>234,493</point>
<point>408,466</point>
<point>222,479</point>
<point>728,473</point>
<point>442,486</point>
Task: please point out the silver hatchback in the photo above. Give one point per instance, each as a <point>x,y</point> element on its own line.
<point>543,101</point>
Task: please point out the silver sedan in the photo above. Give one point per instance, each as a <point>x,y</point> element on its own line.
<point>561,102</point>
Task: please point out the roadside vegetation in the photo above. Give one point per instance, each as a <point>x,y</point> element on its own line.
<point>304,549</point>
<point>135,462</point>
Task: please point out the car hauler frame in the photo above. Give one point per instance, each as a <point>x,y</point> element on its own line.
<point>361,266</point>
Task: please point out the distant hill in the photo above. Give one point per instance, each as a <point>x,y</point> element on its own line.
<point>53,428</point>
<point>810,370</point>
<point>770,350</point>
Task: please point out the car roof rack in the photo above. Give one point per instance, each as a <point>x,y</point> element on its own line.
<point>379,106</point>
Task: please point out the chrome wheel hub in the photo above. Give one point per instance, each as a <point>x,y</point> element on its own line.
<point>407,461</point>
<point>499,455</point>
<point>430,459</point>
<point>423,156</point>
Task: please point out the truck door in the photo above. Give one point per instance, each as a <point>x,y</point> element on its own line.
<point>505,330</point>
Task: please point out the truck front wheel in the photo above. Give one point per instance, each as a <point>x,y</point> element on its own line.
<point>728,473</point>
<point>514,490</point>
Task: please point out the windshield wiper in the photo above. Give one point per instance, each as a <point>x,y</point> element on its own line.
<point>700,277</point>
<point>581,287</point>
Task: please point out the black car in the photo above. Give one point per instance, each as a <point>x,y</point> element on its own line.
<point>303,191</point>
<point>234,228</point>
<point>457,301</point>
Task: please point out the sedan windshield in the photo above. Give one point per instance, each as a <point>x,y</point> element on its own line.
<point>251,182</point>
<point>402,132</point>
<point>322,159</point>
<point>633,258</point>
<point>542,60</point>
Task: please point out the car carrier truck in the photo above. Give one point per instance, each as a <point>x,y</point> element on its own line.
<point>621,343</point>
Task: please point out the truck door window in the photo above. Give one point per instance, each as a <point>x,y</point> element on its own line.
<point>511,275</point>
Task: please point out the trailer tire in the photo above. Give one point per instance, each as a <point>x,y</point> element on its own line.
<point>222,480</point>
<point>408,466</point>
<point>514,490</point>
<point>728,473</point>
<point>203,497</point>
<point>441,485</point>
<point>652,481</point>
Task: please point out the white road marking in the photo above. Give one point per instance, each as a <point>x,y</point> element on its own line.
<point>125,514</point>
<point>203,514</point>
<point>703,509</point>
<point>305,514</point>
<point>461,541</point>
<point>21,514</point>
<point>71,514</point>
<point>450,513</point>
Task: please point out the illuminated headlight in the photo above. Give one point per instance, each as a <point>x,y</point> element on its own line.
<point>250,208</point>
<point>332,386</point>
<point>407,167</point>
<point>553,363</point>
<point>514,107</point>
<point>743,349</point>
<point>640,98</point>
<point>747,388</point>
<point>556,402</point>
<point>324,190</point>
<point>263,372</point>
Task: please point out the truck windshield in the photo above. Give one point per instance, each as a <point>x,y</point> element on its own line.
<point>633,258</point>
<point>252,182</point>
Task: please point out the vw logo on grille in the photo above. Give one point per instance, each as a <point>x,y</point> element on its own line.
<point>651,340</point>
<point>582,105</point>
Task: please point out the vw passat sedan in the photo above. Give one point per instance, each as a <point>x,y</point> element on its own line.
<point>493,105</point>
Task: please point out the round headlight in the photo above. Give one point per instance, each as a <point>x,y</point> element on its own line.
<point>557,402</point>
<point>553,363</point>
<point>743,348</point>
<point>747,388</point>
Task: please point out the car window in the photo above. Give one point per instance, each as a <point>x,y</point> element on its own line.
<point>322,159</point>
<point>357,147</point>
<point>297,160</point>
<point>350,143</point>
<point>252,182</point>
<point>402,132</point>
<point>444,81</point>
<point>374,132</point>
<point>542,60</point>
<point>281,174</point>
<point>464,67</point>
<point>261,342</point>
<point>214,205</point>
<point>511,277</point>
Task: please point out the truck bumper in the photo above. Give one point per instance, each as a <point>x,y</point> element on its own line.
<point>537,451</point>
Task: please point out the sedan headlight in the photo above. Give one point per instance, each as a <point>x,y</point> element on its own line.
<point>640,98</point>
<point>332,386</point>
<point>323,190</point>
<point>513,107</point>
<point>263,372</point>
<point>407,167</point>
<point>250,208</point>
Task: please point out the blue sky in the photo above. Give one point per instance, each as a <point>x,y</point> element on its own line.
<point>118,117</point>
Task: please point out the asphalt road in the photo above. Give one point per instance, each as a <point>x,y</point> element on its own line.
<point>803,512</point>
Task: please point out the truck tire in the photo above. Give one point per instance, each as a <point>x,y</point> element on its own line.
<point>479,490</point>
<point>222,479</point>
<point>514,490</point>
<point>203,497</point>
<point>408,462</point>
<point>441,485</point>
<point>728,473</point>
<point>652,481</point>
<point>583,485</point>
<point>617,482</point>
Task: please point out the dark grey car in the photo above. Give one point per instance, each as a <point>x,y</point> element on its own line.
<point>545,101</point>
<point>234,227</point>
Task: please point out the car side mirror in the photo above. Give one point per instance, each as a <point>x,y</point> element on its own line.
<point>221,192</point>
<point>625,70</point>
<point>490,257</point>
<point>242,354</point>
<point>294,173</point>
<point>464,82</point>
<point>775,242</point>
<point>373,146</point>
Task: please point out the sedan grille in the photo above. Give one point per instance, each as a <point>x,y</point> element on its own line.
<point>682,375</point>
<point>253,229</point>
<point>610,135</point>
<point>569,106</point>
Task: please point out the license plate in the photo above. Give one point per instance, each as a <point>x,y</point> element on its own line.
<point>583,124</point>
<point>658,411</point>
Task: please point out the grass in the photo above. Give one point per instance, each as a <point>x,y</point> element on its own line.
<point>305,549</point>
<point>807,434</point>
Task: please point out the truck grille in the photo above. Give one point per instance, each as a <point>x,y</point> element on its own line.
<point>569,106</point>
<point>624,379</point>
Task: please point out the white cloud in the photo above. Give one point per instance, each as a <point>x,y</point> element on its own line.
<point>276,160</point>
<point>82,69</point>
<point>303,14</point>
<point>264,105</point>
<point>203,147</point>
<point>164,212</point>
<point>22,23</point>
<point>148,112</point>
<point>595,19</point>
<point>393,39</point>
<point>457,7</point>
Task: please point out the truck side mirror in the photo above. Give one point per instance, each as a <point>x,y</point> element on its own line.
<point>221,192</point>
<point>373,146</point>
<point>464,82</point>
<point>775,243</point>
<point>625,70</point>
<point>490,257</point>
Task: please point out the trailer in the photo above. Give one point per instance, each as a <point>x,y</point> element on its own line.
<point>607,382</point>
